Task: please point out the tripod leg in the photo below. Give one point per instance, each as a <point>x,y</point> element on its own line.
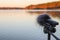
<point>49,36</point>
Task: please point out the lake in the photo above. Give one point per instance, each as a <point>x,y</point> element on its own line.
<point>22,25</point>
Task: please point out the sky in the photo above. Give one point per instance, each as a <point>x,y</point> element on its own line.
<point>22,3</point>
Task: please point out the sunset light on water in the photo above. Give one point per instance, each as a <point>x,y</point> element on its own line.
<point>18,19</point>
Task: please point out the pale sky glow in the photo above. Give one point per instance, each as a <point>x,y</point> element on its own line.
<point>22,3</point>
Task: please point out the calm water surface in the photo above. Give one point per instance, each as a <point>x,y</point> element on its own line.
<point>21,25</point>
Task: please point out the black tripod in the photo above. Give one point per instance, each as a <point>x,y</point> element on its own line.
<point>49,36</point>
<point>49,30</point>
<point>49,25</point>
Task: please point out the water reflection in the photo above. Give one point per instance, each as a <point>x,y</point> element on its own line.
<point>21,25</point>
<point>55,14</point>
